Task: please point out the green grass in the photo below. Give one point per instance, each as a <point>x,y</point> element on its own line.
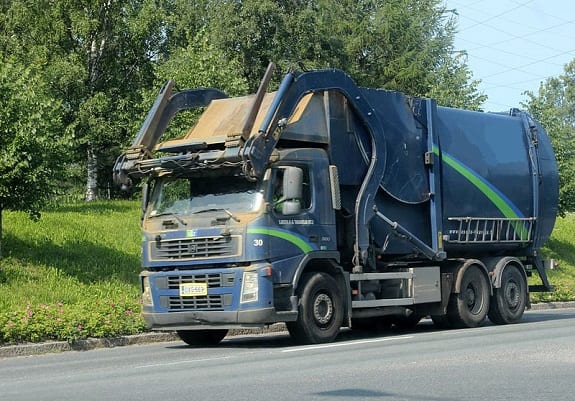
<point>74,273</point>
<point>561,247</point>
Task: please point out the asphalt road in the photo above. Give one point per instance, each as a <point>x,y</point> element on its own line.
<point>534,360</point>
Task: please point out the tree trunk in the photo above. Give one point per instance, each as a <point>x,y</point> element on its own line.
<point>92,181</point>
<point>96,53</point>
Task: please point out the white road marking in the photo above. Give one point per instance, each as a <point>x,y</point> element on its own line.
<point>346,344</point>
<point>154,365</point>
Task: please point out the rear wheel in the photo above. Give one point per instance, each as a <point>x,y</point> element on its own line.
<point>320,311</point>
<point>508,302</point>
<point>202,337</point>
<point>469,308</point>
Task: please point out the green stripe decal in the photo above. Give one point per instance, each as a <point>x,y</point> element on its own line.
<point>505,206</point>
<point>501,204</point>
<point>300,243</point>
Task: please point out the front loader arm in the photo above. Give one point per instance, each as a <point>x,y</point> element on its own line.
<point>127,171</point>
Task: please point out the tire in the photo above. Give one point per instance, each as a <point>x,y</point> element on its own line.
<point>320,310</point>
<point>202,337</point>
<point>508,302</point>
<point>469,308</point>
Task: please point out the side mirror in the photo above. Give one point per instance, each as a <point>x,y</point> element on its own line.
<point>292,191</point>
<point>291,207</point>
<point>292,183</point>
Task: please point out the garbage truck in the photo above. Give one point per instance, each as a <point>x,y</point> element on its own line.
<point>327,205</point>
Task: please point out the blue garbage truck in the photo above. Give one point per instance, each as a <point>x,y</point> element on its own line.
<point>326,205</point>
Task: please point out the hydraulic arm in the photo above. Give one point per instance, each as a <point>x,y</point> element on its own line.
<point>127,169</point>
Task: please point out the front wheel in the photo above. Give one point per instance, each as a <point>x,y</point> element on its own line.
<point>202,337</point>
<point>508,302</point>
<point>320,310</point>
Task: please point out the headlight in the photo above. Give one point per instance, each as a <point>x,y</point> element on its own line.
<point>147,299</point>
<point>250,287</point>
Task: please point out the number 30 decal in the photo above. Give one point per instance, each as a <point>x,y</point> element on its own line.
<point>258,242</point>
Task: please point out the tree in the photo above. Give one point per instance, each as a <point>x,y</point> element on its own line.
<point>454,85</point>
<point>199,64</point>
<point>404,45</point>
<point>32,140</point>
<point>554,106</point>
<point>196,65</point>
<point>101,58</point>
<point>96,55</point>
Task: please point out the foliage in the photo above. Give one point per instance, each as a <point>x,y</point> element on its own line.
<point>59,321</point>
<point>94,56</point>
<point>195,66</point>
<point>103,61</point>
<point>454,86</point>
<point>404,45</point>
<point>554,106</point>
<point>200,65</point>
<point>32,141</point>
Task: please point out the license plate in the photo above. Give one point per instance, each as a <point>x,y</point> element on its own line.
<point>193,289</point>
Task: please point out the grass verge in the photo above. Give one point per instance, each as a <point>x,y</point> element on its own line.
<point>561,248</point>
<point>71,275</point>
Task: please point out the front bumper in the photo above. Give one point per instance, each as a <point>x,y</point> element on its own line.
<point>186,320</point>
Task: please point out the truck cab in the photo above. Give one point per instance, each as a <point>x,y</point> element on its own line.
<point>228,251</point>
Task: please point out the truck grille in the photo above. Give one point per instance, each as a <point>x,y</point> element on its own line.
<point>211,301</point>
<point>187,303</point>
<point>195,248</point>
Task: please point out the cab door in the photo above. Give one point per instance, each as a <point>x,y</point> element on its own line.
<point>305,222</point>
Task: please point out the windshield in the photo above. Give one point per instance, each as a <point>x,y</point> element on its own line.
<point>185,196</point>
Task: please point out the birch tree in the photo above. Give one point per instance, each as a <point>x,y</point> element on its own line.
<point>96,55</point>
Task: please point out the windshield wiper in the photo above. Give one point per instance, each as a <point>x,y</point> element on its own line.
<point>217,210</point>
<point>182,222</point>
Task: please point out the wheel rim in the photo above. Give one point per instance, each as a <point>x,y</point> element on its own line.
<point>473,299</point>
<point>322,309</point>
<point>511,295</point>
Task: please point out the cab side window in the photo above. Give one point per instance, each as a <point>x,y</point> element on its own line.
<point>277,189</point>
